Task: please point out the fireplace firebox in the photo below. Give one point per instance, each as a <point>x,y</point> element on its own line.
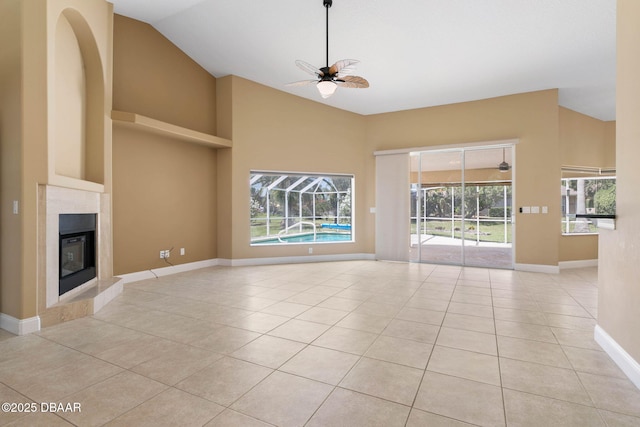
<point>77,250</point>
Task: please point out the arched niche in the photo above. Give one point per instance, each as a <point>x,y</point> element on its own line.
<point>79,94</point>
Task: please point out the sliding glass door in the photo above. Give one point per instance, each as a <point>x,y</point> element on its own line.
<point>461,207</point>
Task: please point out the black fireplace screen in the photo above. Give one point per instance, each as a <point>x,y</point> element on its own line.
<point>77,250</point>
<point>72,257</point>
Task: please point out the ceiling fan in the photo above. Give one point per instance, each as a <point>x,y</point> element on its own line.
<point>504,166</point>
<point>328,78</point>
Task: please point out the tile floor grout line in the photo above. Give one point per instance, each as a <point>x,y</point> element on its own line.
<point>139,404</point>
<point>584,388</point>
<point>321,404</point>
<point>502,388</point>
<point>424,373</point>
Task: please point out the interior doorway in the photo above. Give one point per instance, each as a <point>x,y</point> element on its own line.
<point>461,206</point>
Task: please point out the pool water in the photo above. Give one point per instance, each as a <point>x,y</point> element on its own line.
<point>308,238</point>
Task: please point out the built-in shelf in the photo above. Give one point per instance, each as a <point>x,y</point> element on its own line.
<point>148,124</point>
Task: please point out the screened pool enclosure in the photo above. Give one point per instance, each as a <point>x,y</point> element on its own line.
<point>288,208</point>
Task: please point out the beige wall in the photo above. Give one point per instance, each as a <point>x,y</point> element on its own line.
<point>531,117</point>
<point>164,197</point>
<point>10,156</point>
<point>584,141</point>
<point>578,247</point>
<point>619,296</point>
<point>34,167</point>
<point>275,131</point>
<point>224,166</point>
<point>610,141</point>
<point>154,78</point>
<point>165,190</point>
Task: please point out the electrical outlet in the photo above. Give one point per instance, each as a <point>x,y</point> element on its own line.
<point>167,253</point>
<point>182,252</point>
<point>310,251</point>
<point>161,254</point>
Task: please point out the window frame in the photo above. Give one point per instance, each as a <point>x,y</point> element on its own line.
<point>567,218</point>
<point>344,224</point>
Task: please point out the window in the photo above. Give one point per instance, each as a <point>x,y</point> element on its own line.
<point>289,208</point>
<point>586,196</point>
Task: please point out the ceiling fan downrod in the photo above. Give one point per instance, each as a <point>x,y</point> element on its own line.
<point>327,4</point>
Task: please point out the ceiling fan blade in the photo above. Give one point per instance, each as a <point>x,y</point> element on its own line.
<point>308,68</point>
<point>302,83</point>
<point>343,67</point>
<point>352,82</point>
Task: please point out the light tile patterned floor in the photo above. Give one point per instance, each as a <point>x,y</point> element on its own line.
<point>359,343</point>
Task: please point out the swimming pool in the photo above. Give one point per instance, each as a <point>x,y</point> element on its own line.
<point>307,238</point>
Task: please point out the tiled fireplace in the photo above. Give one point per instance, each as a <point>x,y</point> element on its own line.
<point>55,304</point>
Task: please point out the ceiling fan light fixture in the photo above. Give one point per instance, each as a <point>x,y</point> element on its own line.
<point>326,88</point>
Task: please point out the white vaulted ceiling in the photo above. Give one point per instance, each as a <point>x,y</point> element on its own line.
<point>415,53</point>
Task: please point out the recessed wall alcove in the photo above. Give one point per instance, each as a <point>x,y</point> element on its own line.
<point>79,95</point>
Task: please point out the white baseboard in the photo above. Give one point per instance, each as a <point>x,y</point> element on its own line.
<point>538,268</point>
<point>225,262</point>
<point>19,326</point>
<point>624,361</point>
<point>295,259</point>
<point>564,265</point>
<point>165,271</point>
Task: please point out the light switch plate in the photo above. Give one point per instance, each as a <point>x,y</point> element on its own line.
<point>526,209</point>
<point>535,209</point>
